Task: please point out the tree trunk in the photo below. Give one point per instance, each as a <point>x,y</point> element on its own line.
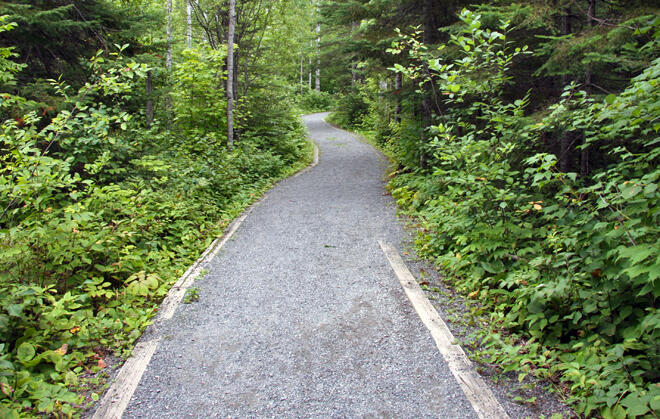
<point>230,74</point>
<point>302,70</point>
<point>565,141</point>
<point>205,36</point>
<point>591,21</point>
<point>311,48</point>
<point>149,108</point>
<point>584,158</point>
<point>168,59</point>
<point>237,66</point>
<point>354,75</point>
<point>398,85</point>
<point>427,38</point>
<point>318,57</point>
<point>565,30</point>
<point>584,152</point>
<point>189,24</point>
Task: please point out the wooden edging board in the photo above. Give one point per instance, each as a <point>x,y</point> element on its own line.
<point>476,390</point>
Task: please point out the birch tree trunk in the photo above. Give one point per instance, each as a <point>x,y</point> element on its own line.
<point>318,57</point>
<point>311,48</point>
<point>205,37</point>
<point>189,23</point>
<point>230,74</point>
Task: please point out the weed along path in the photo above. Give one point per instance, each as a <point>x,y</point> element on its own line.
<point>301,314</point>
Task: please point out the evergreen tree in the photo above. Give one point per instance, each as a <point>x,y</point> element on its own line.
<point>53,36</point>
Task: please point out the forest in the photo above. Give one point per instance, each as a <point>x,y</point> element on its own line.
<point>523,138</point>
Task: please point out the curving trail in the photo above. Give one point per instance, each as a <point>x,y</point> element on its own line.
<point>301,314</point>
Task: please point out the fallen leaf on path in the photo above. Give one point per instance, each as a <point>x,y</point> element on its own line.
<point>101,364</point>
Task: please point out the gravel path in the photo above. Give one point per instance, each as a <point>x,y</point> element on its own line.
<point>301,314</point>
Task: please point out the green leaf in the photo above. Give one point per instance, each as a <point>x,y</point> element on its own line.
<point>655,403</point>
<point>618,412</point>
<point>610,99</point>
<point>4,322</point>
<point>15,310</point>
<point>8,413</point>
<point>6,365</point>
<point>25,352</point>
<point>635,406</point>
<point>637,253</point>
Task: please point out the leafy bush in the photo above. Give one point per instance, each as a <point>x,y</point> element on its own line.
<point>314,101</point>
<point>350,110</point>
<point>196,81</point>
<point>567,263</point>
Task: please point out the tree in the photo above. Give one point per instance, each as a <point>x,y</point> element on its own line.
<point>52,37</point>
<point>230,73</point>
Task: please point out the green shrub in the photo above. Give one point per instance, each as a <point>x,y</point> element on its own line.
<point>350,110</point>
<point>568,264</point>
<point>313,101</point>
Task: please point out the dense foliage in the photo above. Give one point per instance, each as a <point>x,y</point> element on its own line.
<point>101,207</point>
<point>533,168</point>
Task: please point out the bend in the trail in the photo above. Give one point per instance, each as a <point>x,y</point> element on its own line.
<point>301,314</point>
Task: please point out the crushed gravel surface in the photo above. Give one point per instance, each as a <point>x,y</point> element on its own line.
<point>301,314</point>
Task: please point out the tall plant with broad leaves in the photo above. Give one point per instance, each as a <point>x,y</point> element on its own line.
<point>567,264</point>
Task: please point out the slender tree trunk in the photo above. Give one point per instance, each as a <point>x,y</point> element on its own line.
<point>168,59</point>
<point>205,36</point>
<point>584,158</point>
<point>230,74</point>
<point>189,23</point>
<point>427,38</point>
<point>354,75</point>
<point>302,70</point>
<point>149,108</point>
<point>237,67</point>
<point>398,85</point>
<point>591,21</point>
<point>318,57</point>
<point>565,27</point>
<point>565,141</point>
<point>311,48</point>
<point>584,152</point>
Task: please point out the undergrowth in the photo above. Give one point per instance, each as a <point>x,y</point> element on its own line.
<point>100,216</point>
